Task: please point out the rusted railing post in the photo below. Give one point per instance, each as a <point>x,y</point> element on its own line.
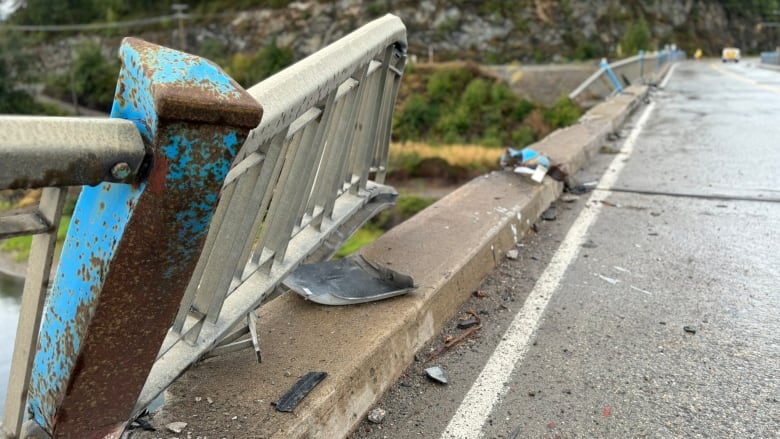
<point>131,248</point>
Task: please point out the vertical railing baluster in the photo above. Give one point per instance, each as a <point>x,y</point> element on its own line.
<point>327,166</point>
<point>281,207</point>
<point>343,173</point>
<point>221,259</point>
<point>36,285</point>
<point>281,146</point>
<point>387,123</point>
<point>316,152</point>
<point>187,302</point>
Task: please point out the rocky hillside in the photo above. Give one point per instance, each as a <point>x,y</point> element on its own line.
<point>500,31</point>
<point>489,32</point>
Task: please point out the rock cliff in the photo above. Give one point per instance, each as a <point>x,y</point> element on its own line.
<point>497,31</point>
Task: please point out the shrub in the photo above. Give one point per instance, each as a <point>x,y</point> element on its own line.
<point>91,78</point>
<point>414,117</point>
<point>637,38</point>
<point>248,70</point>
<point>563,113</point>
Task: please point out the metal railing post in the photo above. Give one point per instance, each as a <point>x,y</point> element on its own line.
<point>615,82</point>
<point>642,64</point>
<point>131,248</point>
<point>35,286</point>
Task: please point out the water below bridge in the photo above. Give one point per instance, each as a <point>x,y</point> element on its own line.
<point>10,298</point>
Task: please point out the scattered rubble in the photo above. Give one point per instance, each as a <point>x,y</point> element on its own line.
<point>377,415</point>
<point>176,427</point>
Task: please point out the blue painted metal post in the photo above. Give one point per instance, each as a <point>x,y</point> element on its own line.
<point>131,248</point>
<point>605,66</point>
<point>642,64</point>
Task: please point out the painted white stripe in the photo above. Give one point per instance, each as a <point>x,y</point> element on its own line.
<point>468,421</point>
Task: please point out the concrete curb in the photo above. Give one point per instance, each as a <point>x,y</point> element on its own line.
<point>448,249</point>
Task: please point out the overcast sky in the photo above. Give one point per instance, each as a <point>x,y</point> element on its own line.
<point>5,8</point>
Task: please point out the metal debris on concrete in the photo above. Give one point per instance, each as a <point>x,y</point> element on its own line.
<point>526,161</point>
<point>437,374</point>
<point>580,189</point>
<point>689,329</point>
<point>347,281</point>
<point>143,424</point>
<point>549,214</point>
<point>298,391</point>
<point>468,322</point>
<point>453,341</point>
<point>377,415</point>
<point>176,427</point>
<point>512,254</point>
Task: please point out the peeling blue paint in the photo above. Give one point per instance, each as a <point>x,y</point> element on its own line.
<point>189,166</point>
<point>172,67</point>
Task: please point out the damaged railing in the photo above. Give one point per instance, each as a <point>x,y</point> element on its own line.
<point>612,78</point>
<point>51,153</point>
<point>199,223</point>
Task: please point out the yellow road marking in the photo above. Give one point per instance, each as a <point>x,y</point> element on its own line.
<point>745,79</point>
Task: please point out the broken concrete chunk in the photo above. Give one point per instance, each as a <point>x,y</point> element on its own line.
<point>377,415</point>
<point>176,427</point>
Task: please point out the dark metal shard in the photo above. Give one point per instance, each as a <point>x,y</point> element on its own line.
<point>298,391</point>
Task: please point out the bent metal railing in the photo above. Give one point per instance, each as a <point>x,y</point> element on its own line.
<point>612,78</point>
<point>200,231</point>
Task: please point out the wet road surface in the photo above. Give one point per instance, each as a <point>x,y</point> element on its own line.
<point>648,308</point>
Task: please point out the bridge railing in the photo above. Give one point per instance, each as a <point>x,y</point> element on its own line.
<point>212,212</point>
<point>770,58</point>
<point>612,78</point>
<point>52,153</point>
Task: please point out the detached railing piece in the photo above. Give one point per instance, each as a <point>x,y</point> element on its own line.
<point>308,177</point>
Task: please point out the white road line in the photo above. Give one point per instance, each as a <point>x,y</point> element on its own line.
<point>468,421</point>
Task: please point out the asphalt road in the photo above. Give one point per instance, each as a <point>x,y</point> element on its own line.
<point>647,308</point>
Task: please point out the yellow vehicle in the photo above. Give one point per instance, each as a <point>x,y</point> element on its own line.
<point>731,54</point>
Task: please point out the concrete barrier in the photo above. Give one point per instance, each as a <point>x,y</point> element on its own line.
<point>448,249</point>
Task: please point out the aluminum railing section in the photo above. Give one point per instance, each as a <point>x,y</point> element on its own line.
<point>317,159</point>
<point>308,176</point>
